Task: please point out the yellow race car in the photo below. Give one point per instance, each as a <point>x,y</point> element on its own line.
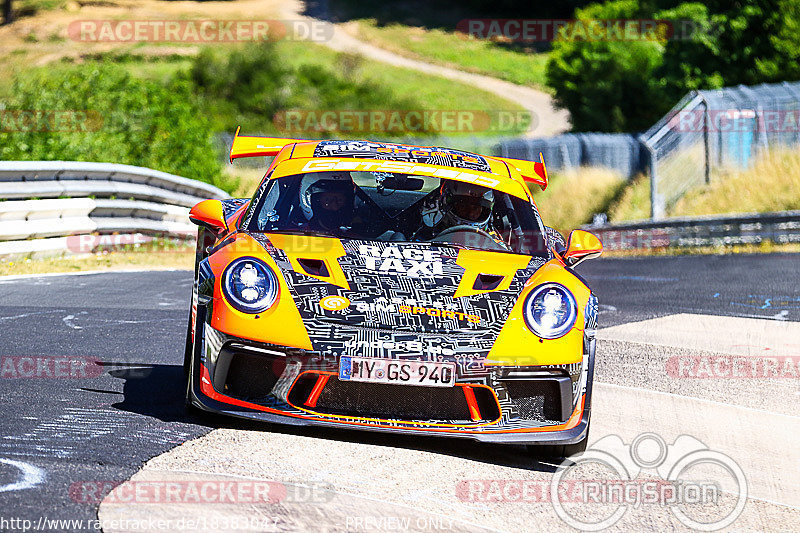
<point>395,288</point>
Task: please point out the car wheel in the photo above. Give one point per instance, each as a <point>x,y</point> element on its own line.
<point>187,352</point>
<point>189,361</point>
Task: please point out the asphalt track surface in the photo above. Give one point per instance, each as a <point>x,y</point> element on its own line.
<point>123,335</point>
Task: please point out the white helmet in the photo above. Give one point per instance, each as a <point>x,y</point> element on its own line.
<point>313,189</point>
<point>466,204</point>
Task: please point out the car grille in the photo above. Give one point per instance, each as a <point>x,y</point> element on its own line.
<point>395,402</point>
<point>251,376</point>
<point>536,399</point>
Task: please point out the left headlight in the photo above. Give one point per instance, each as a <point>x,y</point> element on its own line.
<point>249,285</point>
<point>550,310</point>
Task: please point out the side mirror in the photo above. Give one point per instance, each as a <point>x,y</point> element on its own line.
<point>582,245</point>
<point>209,213</point>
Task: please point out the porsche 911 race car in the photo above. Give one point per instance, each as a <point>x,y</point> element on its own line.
<point>393,288</point>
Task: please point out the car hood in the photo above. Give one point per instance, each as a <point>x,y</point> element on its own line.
<point>398,287</point>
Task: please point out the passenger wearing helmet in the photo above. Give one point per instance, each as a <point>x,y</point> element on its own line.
<point>328,201</point>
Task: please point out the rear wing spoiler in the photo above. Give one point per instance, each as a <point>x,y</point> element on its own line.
<point>531,171</point>
<point>247,146</point>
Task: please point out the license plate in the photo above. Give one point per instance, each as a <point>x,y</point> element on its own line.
<point>397,372</point>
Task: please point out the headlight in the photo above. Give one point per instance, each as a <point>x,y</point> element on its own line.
<point>550,310</point>
<point>249,285</point>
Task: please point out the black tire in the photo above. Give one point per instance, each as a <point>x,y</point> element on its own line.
<point>187,352</point>
<point>190,365</point>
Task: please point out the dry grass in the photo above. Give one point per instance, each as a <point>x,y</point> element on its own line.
<point>163,260</point>
<point>633,203</point>
<point>573,197</point>
<point>248,178</point>
<point>772,183</point>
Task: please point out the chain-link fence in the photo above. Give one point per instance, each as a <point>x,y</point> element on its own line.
<point>711,132</point>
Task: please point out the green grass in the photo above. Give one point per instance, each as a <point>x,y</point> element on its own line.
<point>426,91</point>
<point>457,50</point>
<point>27,8</point>
<point>120,260</point>
<point>432,92</point>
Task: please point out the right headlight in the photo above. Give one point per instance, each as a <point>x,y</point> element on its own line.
<point>550,310</point>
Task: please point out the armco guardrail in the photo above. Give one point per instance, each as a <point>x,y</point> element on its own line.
<point>50,207</point>
<point>716,230</point>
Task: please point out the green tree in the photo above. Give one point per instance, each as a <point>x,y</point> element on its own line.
<point>248,86</point>
<point>132,121</point>
<point>690,59</point>
<point>607,85</point>
<point>628,85</point>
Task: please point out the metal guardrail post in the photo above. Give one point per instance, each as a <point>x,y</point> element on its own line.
<point>657,209</point>
<point>711,230</point>
<point>706,147</point>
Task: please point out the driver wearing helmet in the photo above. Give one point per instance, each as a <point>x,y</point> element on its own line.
<point>465,204</point>
<point>328,201</point>
<point>461,204</point>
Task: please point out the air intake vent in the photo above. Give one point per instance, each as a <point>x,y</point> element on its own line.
<point>487,282</point>
<point>314,267</point>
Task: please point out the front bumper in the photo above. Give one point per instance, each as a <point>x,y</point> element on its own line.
<point>515,405</point>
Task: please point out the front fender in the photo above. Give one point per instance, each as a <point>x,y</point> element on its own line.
<point>517,345</point>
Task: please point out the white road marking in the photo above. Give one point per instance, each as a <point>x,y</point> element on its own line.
<point>68,321</point>
<point>30,476</point>
<point>25,315</point>
<point>758,440</point>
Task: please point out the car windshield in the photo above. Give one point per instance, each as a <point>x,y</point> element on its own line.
<point>395,207</point>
